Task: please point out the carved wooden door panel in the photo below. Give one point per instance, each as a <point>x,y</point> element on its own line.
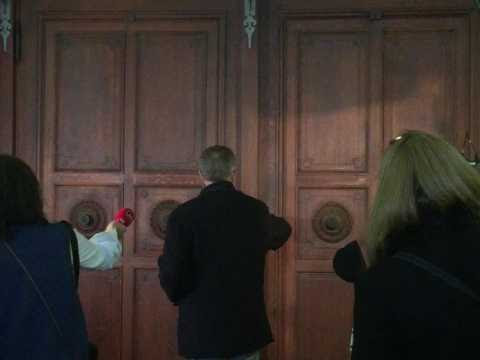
<point>128,96</point>
<point>426,79</point>
<point>329,147</point>
<point>349,86</point>
<point>117,135</point>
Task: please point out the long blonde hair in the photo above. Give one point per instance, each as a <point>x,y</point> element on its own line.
<point>418,160</point>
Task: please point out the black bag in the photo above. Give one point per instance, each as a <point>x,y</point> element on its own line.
<point>92,348</point>
<point>73,244</point>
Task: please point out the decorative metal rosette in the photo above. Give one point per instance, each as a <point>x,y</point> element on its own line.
<point>88,217</point>
<point>332,222</point>
<point>159,217</point>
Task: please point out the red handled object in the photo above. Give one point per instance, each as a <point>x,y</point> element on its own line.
<point>125,216</point>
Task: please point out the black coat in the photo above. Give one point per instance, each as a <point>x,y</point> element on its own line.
<point>404,312</point>
<point>213,268</point>
<point>349,263</point>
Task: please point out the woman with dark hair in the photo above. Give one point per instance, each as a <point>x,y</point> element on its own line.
<point>420,296</point>
<point>40,313</point>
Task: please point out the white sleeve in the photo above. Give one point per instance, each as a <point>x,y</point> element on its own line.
<point>101,252</point>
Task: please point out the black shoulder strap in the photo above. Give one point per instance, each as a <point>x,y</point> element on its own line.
<point>438,273</point>
<point>35,286</point>
<point>73,246</point>
<point>37,289</point>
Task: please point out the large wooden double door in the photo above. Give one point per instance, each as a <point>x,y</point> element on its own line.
<point>114,101</point>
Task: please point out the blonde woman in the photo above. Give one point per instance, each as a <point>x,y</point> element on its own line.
<point>420,297</point>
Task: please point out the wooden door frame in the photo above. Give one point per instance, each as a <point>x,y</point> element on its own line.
<point>272,157</point>
<point>7,90</point>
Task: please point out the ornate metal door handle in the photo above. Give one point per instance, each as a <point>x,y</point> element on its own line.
<point>250,22</point>
<point>6,26</point>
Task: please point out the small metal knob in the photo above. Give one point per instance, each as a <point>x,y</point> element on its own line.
<point>86,220</point>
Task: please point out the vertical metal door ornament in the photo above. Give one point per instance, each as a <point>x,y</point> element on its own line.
<point>250,23</point>
<point>5,21</point>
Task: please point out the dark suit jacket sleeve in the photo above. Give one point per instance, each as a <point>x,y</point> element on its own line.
<point>279,231</point>
<point>175,265</point>
<point>373,324</point>
<point>348,262</point>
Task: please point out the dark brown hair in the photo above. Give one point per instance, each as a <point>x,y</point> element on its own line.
<point>20,196</point>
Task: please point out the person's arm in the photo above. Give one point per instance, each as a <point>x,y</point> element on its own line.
<point>175,265</point>
<point>348,262</point>
<point>279,231</point>
<point>103,250</point>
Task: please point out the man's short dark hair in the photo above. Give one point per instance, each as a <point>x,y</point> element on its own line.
<point>217,163</point>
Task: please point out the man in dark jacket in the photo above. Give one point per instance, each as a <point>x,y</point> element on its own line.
<point>213,265</point>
